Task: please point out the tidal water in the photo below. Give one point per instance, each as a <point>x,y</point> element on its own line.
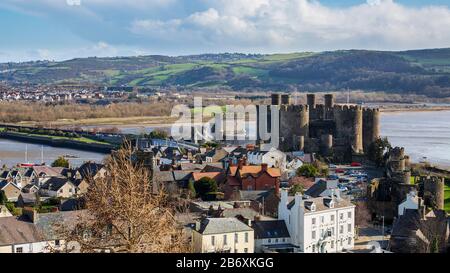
<point>14,152</point>
<point>423,134</point>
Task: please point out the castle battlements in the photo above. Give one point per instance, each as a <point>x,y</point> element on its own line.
<point>322,125</point>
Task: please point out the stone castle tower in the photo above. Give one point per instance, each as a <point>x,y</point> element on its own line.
<point>328,129</point>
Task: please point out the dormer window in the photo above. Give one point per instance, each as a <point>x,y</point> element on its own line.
<point>313,207</point>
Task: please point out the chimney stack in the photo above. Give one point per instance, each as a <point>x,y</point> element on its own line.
<point>264,167</point>
<point>240,164</point>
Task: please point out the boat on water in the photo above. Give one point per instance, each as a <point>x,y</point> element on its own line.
<point>70,156</point>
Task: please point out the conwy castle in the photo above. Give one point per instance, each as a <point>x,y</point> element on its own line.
<point>339,131</point>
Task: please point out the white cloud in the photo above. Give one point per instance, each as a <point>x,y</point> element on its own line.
<point>197,26</point>
<point>308,25</point>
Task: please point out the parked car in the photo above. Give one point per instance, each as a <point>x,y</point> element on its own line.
<point>333,177</point>
<point>356,164</point>
<point>343,180</point>
<point>332,166</point>
<point>339,171</point>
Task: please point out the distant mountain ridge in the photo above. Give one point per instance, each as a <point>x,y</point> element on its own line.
<point>417,71</point>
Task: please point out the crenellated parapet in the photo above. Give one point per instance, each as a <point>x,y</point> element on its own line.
<point>327,123</point>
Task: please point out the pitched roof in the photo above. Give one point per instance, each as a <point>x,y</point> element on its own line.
<point>305,182</point>
<point>247,213</point>
<point>254,171</point>
<point>15,231</point>
<point>163,176</point>
<point>222,225</point>
<point>212,175</point>
<point>213,167</point>
<point>182,175</point>
<point>5,183</point>
<point>46,222</point>
<point>89,169</point>
<point>253,195</point>
<point>321,187</point>
<point>322,203</point>
<point>270,229</point>
<point>49,171</point>
<point>55,183</point>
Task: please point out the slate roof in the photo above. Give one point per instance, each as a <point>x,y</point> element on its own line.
<point>322,203</point>
<point>191,166</point>
<point>213,167</point>
<point>28,187</point>
<point>182,175</point>
<point>270,229</point>
<point>55,183</point>
<point>222,225</point>
<point>5,183</point>
<point>406,224</point>
<point>253,195</point>
<point>163,176</point>
<point>321,187</point>
<point>46,222</point>
<point>89,169</point>
<point>16,231</point>
<point>247,213</point>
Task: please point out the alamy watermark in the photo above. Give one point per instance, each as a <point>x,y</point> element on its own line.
<point>227,123</point>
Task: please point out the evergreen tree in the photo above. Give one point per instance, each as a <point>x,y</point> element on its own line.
<point>61,162</point>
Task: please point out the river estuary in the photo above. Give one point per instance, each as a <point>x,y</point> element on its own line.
<point>423,134</point>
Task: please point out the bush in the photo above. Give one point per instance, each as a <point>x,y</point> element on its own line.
<point>205,186</point>
<point>297,188</point>
<point>12,208</point>
<point>158,134</point>
<point>54,201</point>
<point>307,170</point>
<point>61,162</point>
<point>3,198</point>
<point>191,188</point>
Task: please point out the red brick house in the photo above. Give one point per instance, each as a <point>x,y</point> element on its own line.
<point>252,178</point>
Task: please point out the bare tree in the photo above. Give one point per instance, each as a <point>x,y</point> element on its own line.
<point>433,234</point>
<point>123,214</point>
<point>362,214</point>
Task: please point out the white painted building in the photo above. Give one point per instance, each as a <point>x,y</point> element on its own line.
<point>318,225</point>
<point>411,202</point>
<point>222,235</point>
<point>274,158</point>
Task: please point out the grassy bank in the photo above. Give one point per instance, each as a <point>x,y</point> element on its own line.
<point>126,121</point>
<point>78,139</point>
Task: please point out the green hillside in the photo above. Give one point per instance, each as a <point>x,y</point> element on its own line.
<point>420,71</point>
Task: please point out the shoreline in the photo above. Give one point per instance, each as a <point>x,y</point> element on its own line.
<point>405,110</point>
<point>167,121</point>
